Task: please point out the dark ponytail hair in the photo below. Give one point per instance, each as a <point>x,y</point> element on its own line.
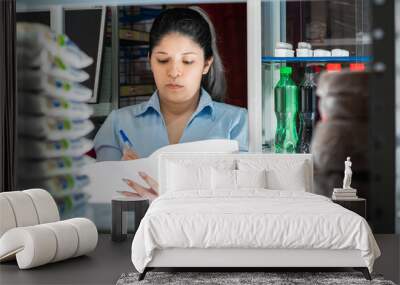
<point>194,23</point>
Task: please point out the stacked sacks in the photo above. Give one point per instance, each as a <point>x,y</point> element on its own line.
<point>342,132</point>
<point>53,116</point>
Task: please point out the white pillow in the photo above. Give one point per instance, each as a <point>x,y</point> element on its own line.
<point>251,178</point>
<point>292,179</point>
<point>281,174</point>
<point>223,179</point>
<point>236,179</point>
<point>183,177</point>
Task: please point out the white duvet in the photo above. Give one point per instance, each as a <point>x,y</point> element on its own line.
<point>252,218</point>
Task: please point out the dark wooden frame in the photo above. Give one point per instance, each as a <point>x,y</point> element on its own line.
<point>8,99</point>
<point>382,142</point>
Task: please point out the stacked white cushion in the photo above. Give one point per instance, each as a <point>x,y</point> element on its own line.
<point>41,244</point>
<point>46,207</point>
<point>67,237</point>
<point>23,208</point>
<point>87,234</point>
<point>7,218</point>
<point>32,246</point>
<point>26,208</point>
<point>31,232</point>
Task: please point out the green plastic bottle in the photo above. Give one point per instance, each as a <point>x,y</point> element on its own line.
<point>286,108</point>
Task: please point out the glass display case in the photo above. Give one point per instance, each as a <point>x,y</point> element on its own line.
<point>319,35</point>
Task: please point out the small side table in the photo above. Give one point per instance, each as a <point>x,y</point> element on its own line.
<point>357,205</point>
<point>120,206</point>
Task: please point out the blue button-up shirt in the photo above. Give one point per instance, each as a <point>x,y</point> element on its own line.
<point>145,127</point>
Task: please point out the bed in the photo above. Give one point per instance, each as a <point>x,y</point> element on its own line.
<point>247,210</point>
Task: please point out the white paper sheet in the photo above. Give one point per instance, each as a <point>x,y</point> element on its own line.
<point>106,176</point>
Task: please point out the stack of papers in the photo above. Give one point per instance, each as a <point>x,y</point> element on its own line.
<point>344,194</point>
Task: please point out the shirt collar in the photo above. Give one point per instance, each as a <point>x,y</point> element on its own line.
<point>204,102</point>
<point>152,103</point>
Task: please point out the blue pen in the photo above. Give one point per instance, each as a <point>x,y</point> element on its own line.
<point>125,139</point>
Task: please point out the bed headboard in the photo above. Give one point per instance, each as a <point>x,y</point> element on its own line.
<point>281,163</point>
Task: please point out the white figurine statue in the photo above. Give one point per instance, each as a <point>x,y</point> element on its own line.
<point>347,174</point>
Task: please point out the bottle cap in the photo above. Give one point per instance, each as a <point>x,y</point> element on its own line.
<point>286,70</point>
<point>357,67</point>
<point>333,67</point>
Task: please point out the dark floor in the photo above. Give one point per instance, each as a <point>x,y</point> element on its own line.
<point>110,260</point>
<point>389,262</point>
<point>102,266</point>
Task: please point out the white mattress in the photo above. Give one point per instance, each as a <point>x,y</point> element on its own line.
<point>252,218</point>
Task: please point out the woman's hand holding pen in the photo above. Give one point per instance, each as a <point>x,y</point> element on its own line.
<point>129,154</point>
<point>151,193</point>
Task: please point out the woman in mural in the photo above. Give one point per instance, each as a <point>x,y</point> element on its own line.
<point>190,81</point>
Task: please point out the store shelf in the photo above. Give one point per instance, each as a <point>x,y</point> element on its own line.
<point>131,35</point>
<point>273,59</point>
<point>136,90</point>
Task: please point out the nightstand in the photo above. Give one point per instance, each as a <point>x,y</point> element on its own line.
<point>120,206</point>
<point>357,205</point>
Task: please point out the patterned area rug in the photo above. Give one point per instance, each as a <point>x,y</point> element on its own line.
<point>242,278</point>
